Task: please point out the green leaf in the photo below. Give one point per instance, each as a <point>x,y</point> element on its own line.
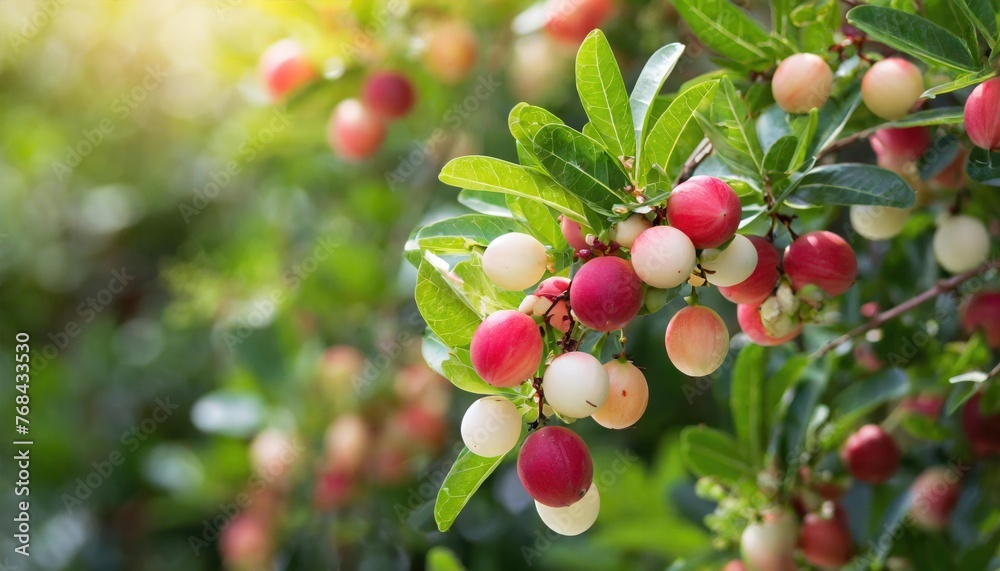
<point>463,233</point>
<point>984,166</point>
<point>924,427</point>
<point>959,394</point>
<point>833,117</point>
<point>962,81</point>
<point>710,452</point>
<point>795,425</point>
<point>781,155</point>
<point>493,175</point>
<point>728,31</point>
<point>913,35</point>
<point>602,92</point>
<point>747,399</point>
<point>443,559</point>
<point>463,480</point>
<point>524,121</point>
<point>929,117</point>
<point>781,16</point>
<point>481,294</point>
<point>446,312</point>
<point>779,383</point>
<point>647,87</point>
<point>539,220</point>
<point>490,203</point>
<point>582,168</point>
<point>728,126</point>
<point>860,398</point>
<point>850,183</point>
<point>949,15</point>
<point>981,13</point>
<point>677,133</point>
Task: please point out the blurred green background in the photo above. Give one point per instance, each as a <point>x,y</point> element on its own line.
<point>195,334</point>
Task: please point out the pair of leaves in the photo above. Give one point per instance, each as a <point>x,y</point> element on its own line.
<point>731,33</point>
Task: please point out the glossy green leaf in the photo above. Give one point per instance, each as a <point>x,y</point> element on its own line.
<point>602,92</point>
<point>960,82</point>
<point>648,86</point>
<point>581,167</point>
<point>463,480</point>
<point>861,398</point>
<point>538,220</point>
<point>480,293</point>
<point>677,133</point>
<point>728,126</point>
<point>444,309</point>
<point>456,366</point>
<point>982,14</point>
<point>524,121</point>
<point>929,117</point>
<point>781,155</point>
<point>728,31</point>
<point>984,166</point>
<point>913,35</point>
<point>778,384</point>
<point>833,117</point>
<point>443,559</point>
<point>746,399</point>
<point>850,183</point>
<point>491,203</point>
<point>710,452</point>
<point>493,175</point>
<point>462,233</point>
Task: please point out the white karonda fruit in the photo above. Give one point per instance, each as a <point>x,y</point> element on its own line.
<point>627,399</point>
<point>629,229</point>
<point>576,384</point>
<point>663,257</point>
<point>515,261</point>
<point>574,519</point>
<point>961,243</point>
<point>770,545</point>
<point>491,427</point>
<point>878,222</point>
<point>731,266</point>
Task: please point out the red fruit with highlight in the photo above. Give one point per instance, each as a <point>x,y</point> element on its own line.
<point>605,294</point>
<point>573,232</point>
<point>706,209</point>
<point>748,317</point>
<point>904,144</point>
<point>935,493</point>
<point>571,20</point>
<point>822,259</point>
<point>284,68</point>
<point>927,404</point>
<point>759,286</point>
<point>871,455</point>
<point>355,132</point>
<point>982,431</point>
<point>697,340</point>
<point>506,348</point>
<point>555,466</point>
<point>825,543</point>
<point>983,313</point>
<point>982,115</point>
<point>389,94</point>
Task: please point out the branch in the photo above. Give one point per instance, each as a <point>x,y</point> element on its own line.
<point>700,153</point>
<point>943,286</point>
<point>995,372</point>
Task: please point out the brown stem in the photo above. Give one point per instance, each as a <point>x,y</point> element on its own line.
<point>700,154</point>
<point>943,286</point>
<point>995,372</point>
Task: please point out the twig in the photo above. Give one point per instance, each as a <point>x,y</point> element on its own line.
<point>700,153</point>
<point>995,372</point>
<point>943,286</point>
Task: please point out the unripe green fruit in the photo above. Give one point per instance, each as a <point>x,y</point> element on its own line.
<point>891,88</point>
<point>515,261</point>
<point>801,83</point>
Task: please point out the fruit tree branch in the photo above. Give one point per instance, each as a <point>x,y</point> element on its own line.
<point>943,286</point>
<point>700,153</point>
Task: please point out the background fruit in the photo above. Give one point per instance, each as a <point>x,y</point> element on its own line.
<point>354,131</point>
<point>935,493</point>
<point>961,243</point>
<point>390,94</point>
<point>982,430</point>
<point>451,51</point>
<point>891,88</point>
<point>871,455</point>
<point>284,68</point>
<point>802,82</point>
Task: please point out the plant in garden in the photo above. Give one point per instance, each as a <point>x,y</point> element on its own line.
<point>731,182</point>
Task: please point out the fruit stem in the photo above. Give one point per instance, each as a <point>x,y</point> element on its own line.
<point>942,286</point>
<point>701,153</point>
<point>542,420</point>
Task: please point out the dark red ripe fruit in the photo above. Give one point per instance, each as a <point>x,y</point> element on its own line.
<point>573,234</point>
<point>555,467</point>
<point>927,404</point>
<point>982,431</point>
<point>706,209</point>
<point>822,259</point>
<point>983,312</point>
<point>605,294</point>
<point>825,543</point>
<point>389,94</point>
<point>756,288</point>
<point>571,20</point>
<point>871,455</point>
<point>506,348</point>
<point>906,144</point>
